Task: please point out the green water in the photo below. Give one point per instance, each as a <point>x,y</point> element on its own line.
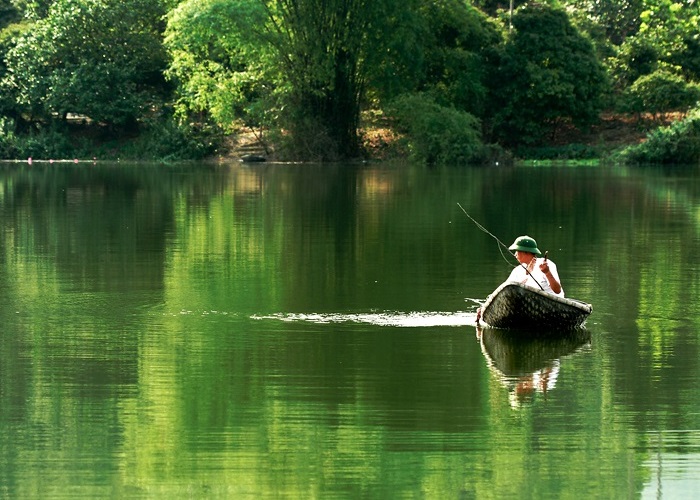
<point>300,331</point>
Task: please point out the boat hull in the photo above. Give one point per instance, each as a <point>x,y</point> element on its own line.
<point>514,305</point>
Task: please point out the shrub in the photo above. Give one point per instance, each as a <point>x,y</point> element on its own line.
<point>47,142</point>
<point>567,152</point>
<point>677,143</point>
<point>161,140</point>
<point>660,92</point>
<point>165,140</point>
<point>436,134</point>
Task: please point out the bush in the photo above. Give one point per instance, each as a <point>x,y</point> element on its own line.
<point>567,152</point>
<point>678,143</point>
<point>160,139</point>
<point>165,140</point>
<point>660,92</point>
<point>436,134</point>
<point>47,142</point>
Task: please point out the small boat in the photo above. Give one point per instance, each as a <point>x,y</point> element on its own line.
<point>515,305</point>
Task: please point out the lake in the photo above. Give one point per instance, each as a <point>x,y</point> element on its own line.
<point>308,331</point>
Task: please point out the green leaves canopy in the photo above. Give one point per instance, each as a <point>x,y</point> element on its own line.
<point>307,62</point>
<point>100,58</point>
<point>313,64</point>
<point>549,75</point>
<point>220,62</point>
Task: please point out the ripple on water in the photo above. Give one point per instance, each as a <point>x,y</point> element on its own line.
<point>387,318</point>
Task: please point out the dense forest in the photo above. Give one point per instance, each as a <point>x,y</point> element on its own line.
<point>441,81</point>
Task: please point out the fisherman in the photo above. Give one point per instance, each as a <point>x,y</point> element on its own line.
<point>533,270</point>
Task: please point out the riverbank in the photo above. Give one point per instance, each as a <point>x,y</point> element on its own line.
<point>380,142</point>
<point>613,133</point>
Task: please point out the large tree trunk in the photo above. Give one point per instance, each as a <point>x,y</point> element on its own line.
<point>323,48</point>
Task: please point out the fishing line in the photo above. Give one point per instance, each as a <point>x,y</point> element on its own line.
<point>501,244</point>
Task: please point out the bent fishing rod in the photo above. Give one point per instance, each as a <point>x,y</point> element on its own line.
<point>501,244</point>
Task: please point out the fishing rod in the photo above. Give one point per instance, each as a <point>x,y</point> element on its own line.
<point>501,244</point>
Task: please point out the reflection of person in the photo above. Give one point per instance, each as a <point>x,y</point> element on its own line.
<point>533,269</point>
<point>540,381</point>
<point>523,384</point>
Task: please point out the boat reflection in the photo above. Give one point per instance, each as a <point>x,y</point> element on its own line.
<point>527,364</point>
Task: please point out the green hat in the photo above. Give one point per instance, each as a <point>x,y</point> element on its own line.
<point>525,244</point>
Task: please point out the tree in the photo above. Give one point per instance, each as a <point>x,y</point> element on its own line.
<point>222,66</point>
<point>549,75</point>
<point>304,59</point>
<point>459,47</point>
<point>100,58</point>
<point>313,65</point>
<point>671,27</point>
<point>309,63</point>
<point>324,47</point>
<point>440,117</point>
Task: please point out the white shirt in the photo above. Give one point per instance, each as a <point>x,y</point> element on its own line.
<point>535,276</point>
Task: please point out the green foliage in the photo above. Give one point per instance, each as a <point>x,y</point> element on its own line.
<point>99,58</point>
<point>618,18</point>
<point>678,143</point>
<point>549,75</point>
<point>160,139</point>
<point>635,58</point>
<point>8,13</point>
<point>567,152</point>
<point>33,9</point>
<point>458,47</point>
<point>667,36</point>
<point>164,139</point>
<point>688,56</point>
<point>292,67</point>
<point>235,59</point>
<point>325,50</point>
<point>661,91</point>
<point>303,70</point>
<point>7,139</point>
<point>219,61</point>
<point>436,134</point>
<point>399,64</point>
<point>8,37</point>
<point>52,141</point>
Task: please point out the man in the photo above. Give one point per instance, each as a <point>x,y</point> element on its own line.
<point>537,272</point>
<point>534,271</point>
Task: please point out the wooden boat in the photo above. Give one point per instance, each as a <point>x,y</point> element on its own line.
<point>514,305</point>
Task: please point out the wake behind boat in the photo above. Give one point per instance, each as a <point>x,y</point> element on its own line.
<point>515,305</point>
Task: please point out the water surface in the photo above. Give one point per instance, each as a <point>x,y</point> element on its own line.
<point>302,331</point>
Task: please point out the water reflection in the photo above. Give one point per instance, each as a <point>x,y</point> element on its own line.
<point>302,332</point>
<point>674,467</point>
<point>527,364</point>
